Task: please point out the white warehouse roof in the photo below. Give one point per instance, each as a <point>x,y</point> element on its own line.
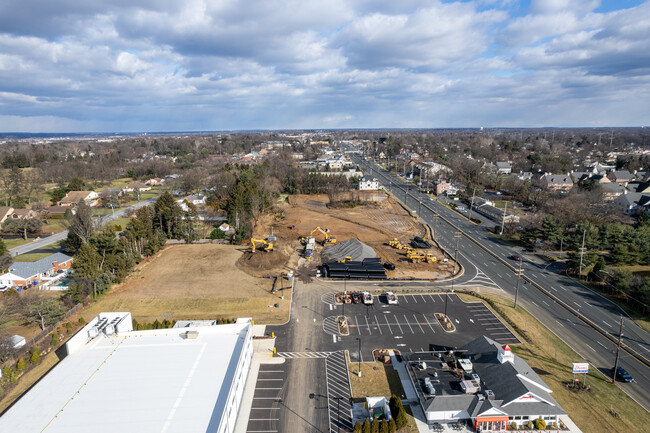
<point>144,381</point>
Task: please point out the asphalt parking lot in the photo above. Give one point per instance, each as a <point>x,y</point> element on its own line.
<point>410,325</point>
<point>267,402</point>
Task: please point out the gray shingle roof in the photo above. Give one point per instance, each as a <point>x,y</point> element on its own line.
<point>509,381</point>
<point>31,269</point>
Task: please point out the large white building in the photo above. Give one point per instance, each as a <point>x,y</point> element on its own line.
<point>174,380</point>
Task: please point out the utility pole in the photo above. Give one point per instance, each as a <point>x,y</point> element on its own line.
<point>618,348</point>
<point>453,278</point>
<point>359,338</point>
<point>582,251</point>
<point>471,206</point>
<point>435,224</point>
<point>517,289</point>
<point>503,220</point>
<point>419,205</point>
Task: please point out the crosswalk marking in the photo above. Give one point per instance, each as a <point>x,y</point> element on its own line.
<point>303,354</point>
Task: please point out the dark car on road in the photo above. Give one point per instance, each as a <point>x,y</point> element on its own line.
<point>623,375</point>
<point>357,298</point>
<point>517,258</point>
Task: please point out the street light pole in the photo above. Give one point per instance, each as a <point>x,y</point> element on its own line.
<point>435,225</point>
<point>618,347</point>
<point>517,289</point>
<point>472,204</point>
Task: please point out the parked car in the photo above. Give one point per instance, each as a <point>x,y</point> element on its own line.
<point>367,298</point>
<point>623,375</point>
<point>515,257</point>
<point>356,298</point>
<point>391,298</point>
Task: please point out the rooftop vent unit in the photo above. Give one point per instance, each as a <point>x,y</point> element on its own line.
<point>111,328</point>
<point>489,394</point>
<point>191,335</point>
<point>97,328</point>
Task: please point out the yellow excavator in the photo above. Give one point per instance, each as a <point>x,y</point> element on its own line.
<point>397,244</point>
<point>345,259</point>
<point>329,240</point>
<point>261,244</point>
<point>416,257</point>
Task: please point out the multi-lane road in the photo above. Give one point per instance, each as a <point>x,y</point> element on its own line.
<point>42,242</point>
<point>586,321</point>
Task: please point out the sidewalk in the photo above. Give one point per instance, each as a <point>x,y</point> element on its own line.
<point>409,390</point>
<point>262,354</point>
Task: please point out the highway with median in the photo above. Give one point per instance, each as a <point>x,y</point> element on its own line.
<point>582,318</point>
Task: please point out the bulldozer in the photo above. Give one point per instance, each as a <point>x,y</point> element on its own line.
<point>329,240</point>
<point>261,244</point>
<point>422,257</point>
<point>397,244</point>
<point>345,259</point>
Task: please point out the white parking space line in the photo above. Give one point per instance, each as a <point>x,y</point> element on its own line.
<point>405,298</point>
<point>500,333</point>
<point>414,299</point>
<point>423,300</point>
<point>425,318</point>
<point>451,298</point>
<point>498,327</point>
<point>368,325</point>
<point>391,329</point>
<point>408,323</point>
<point>357,322</point>
<point>400,326</point>
<point>418,322</point>
<point>334,337</point>
<point>378,325</point>
<point>432,300</point>
<point>440,296</point>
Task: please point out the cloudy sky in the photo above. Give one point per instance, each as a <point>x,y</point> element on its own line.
<point>172,65</point>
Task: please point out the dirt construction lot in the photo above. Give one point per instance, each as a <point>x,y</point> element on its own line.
<point>374,223</point>
<point>196,282</point>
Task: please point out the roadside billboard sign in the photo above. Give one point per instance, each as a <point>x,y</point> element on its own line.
<point>580,367</point>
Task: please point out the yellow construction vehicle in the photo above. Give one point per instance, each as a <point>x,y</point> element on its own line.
<point>345,259</point>
<point>328,239</point>
<point>261,244</point>
<point>397,244</point>
<point>422,257</point>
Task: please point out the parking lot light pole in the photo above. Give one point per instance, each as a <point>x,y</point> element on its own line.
<point>359,339</point>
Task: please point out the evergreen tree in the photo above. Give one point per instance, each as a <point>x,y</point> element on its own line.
<point>383,427</point>
<point>86,265</point>
<point>358,427</point>
<point>374,426</point>
<point>20,365</point>
<point>366,426</point>
<point>392,427</point>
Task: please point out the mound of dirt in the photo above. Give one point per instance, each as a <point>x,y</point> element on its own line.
<point>353,248</point>
<point>261,263</point>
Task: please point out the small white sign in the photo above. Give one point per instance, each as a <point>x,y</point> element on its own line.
<point>581,367</point>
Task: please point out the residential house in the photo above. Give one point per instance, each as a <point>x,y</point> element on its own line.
<point>42,272</point>
<point>91,198</point>
<point>5,212</point>
<point>56,211</point>
<point>643,187</point>
<point>428,169</point>
<point>494,389</point>
<point>556,182</point>
<point>599,168</point>
<point>621,177</point>
<point>133,186</point>
<point>632,203</point>
<point>504,167</point>
<point>196,200</point>
<point>368,183</point>
<point>487,208</point>
<point>23,214</point>
<point>445,188</point>
<point>525,175</point>
<point>155,181</point>
<point>611,190</point>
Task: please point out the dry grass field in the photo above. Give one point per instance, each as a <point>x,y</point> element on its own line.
<point>195,282</point>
